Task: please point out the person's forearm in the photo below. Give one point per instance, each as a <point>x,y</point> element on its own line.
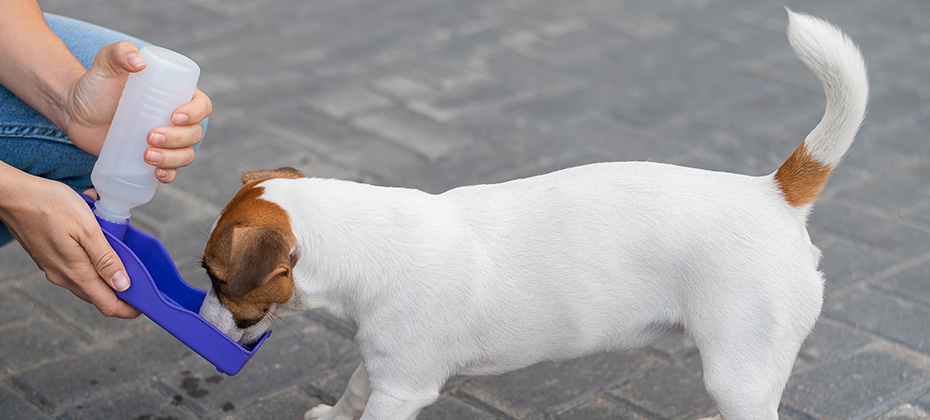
<point>34,64</point>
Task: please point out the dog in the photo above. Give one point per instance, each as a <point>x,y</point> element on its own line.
<point>487,279</point>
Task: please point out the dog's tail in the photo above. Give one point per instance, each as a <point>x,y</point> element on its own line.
<point>836,61</point>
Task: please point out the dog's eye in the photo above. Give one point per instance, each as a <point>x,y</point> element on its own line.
<point>217,283</point>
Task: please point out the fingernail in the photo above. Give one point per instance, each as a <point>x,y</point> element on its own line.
<point>153,156</point>
<point>158,139</point>
<point>119,281</point>
<point>180,119</point>
<point>135,60</point>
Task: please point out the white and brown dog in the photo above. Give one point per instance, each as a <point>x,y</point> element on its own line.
<point>486,279</point>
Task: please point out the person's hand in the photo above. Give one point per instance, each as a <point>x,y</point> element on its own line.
<point>59,231</point>
<point>91,104</point>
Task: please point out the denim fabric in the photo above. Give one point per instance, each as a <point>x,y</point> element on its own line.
<point>32,143</point>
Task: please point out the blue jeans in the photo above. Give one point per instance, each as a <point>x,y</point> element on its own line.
<point>32,143</point>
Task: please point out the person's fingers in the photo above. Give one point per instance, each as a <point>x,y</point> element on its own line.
<point>166,176</point>
<point>104,259</point>
<point>92,193</point>
<point>169,158</point>
<point>118,58</point>
<point>193,112</point>
<point>81,279</point>
<point>106,301</point>
<point>110,269</point>
<point>172,137</point>
<point>59,281</point>
<point>96,292</point>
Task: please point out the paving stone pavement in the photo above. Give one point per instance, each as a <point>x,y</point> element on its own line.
<point>434,94</point>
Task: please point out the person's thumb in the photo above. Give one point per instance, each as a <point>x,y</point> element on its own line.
<point>107,263</point>
<point>117,59</point>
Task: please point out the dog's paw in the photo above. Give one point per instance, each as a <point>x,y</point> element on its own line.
<point>324,412</point>
<point>319,412</point>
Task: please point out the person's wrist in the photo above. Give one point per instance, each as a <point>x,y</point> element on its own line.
<point>12,181</point>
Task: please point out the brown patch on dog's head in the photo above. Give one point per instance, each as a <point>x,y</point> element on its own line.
<point>285,172</point>
<point>248,255</point>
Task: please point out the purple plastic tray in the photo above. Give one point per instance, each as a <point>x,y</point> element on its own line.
<point>159,292</point>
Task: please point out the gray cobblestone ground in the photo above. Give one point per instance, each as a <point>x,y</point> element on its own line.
<point>434,94</point>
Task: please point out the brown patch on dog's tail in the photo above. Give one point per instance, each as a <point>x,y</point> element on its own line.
<point>802,177</point>
<point>838,64</point>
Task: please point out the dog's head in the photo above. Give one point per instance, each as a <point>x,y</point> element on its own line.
<point>250,257</point>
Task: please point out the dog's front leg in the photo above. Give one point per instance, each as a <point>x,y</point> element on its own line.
<point>384,405</point>
<point>352,402</point>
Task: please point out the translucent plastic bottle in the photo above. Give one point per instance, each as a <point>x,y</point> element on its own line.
<point>122,178</point>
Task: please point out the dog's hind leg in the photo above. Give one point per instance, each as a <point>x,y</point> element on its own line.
<point>747,351</point>
<point>352,403</point>
<point>746,383</point>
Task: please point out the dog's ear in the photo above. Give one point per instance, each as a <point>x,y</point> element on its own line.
<point>285,172</point>
<point>257,256</point>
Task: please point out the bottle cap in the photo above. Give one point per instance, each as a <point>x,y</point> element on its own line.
<point>107,211</point>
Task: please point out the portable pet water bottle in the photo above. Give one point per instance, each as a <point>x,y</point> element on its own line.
<point>124,181</point>
<point>122,178</point>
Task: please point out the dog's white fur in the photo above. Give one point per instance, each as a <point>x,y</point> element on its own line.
<point>490,278</point>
